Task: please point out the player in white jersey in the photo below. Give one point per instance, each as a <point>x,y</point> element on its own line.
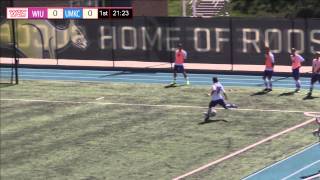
<point>315,72</point>
<point>218,94</point>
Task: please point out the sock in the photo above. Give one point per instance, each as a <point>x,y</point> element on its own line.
<point>209,111</point>
<point>266,83</point>
<point>270,83</point>
<point>298,84</point>
<point>311,88</point>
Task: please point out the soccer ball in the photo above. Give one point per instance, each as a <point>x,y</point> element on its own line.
<point>213,112</point>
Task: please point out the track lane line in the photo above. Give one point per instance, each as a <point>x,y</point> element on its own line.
<point>300,170</point>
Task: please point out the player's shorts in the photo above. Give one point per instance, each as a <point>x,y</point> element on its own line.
<point>315,78</point>
<point>178,68</point>
<point>296,73</point>
<point>220,102</point>
<point>268,74</point>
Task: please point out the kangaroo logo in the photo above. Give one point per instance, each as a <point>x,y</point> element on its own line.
<point>40,39</point>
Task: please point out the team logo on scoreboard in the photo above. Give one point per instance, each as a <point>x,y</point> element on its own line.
<point>17,13</point>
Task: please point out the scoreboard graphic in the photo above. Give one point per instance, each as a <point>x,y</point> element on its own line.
<point>68,12</point>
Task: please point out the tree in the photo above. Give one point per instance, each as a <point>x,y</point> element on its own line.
<point>276,8</point>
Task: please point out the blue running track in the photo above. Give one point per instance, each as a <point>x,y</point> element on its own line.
<point>149,77</point>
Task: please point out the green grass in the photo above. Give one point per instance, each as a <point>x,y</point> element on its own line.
<point>65,140</point>
<point>174,8</point>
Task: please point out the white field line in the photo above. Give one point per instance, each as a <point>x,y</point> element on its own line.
<point>243,150</point>
<point>31,77</point>
<point>99,98</point>
<point>149,105</point>
<point>302,169</point>
<point>312,114</point>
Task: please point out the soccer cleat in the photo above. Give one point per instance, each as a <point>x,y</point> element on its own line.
<point>297,90</point>
<point>309,94</point>
<point>206,116</point>
<point>316,133</point>
<point>265,89</point>
<point>232,106</point>
<point>188,82</point>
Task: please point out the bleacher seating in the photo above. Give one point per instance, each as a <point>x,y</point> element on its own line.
<point>209,8</point>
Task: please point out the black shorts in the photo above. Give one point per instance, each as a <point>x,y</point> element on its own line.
<point>296,73</point>
<point>267,74</point>
<point>315,78</point>
<point>179,68</point>
<point>220,102</point>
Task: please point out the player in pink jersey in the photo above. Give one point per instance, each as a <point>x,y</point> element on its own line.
<point>180,57</point>
<point>315,72</point>
<point>296,61</point>
<point>268,72</point>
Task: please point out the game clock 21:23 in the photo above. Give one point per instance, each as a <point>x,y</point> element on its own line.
<point>121,13</point>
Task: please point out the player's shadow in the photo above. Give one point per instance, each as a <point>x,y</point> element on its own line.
<point>310,97</point>
<point>263,92</point>
<point>174,85</point>
<point>288,93</point>
<point>4,85</point>
<point>212,121</point>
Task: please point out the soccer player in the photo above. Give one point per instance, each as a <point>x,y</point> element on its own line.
<point>218,95</point>
<point>180,57</point>
<point>315,72</point>
<point>296,61</point>
<point>268,72</point>
<point>317,131</point>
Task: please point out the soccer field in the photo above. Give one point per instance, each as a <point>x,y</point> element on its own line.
<point>74,130</point>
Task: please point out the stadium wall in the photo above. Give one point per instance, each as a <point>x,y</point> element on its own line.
<point>154,39</point>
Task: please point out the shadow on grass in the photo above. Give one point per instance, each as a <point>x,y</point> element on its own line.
<point>310,97</point>
<point>4,85</point>
<point>288,93</point>
<point>212,121</point>
<point>174,85</point>
<point>263,92</point>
